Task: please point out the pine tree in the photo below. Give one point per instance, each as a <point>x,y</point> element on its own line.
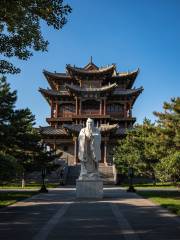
<point>25,140</point>
<point>169,138</point>
<point>7,103</point>
<point>139,150</point>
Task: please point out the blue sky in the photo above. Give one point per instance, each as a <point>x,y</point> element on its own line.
<point>129,33</point>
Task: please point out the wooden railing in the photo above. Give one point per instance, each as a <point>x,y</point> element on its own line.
<point>89,112</point>
<point>118,114</point>
<point>67,114</point>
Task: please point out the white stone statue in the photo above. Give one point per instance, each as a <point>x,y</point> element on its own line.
<point>89,151</point>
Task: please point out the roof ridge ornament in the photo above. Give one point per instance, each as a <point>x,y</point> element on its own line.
<point>91,61</point>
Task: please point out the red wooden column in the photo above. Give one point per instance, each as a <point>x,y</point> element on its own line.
<point>80,106</point>
<point>54,144</point>
<point>51,103</point>
<point>101,107</point>
<point>130,109</point>
<point>75,139</point>
<point>125,115</point>
<point>76,106</point>
<point>105,151</point>
<point>104,106</point>
<point>57,110</point>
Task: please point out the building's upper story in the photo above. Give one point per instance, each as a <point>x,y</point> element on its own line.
<point>90,92</point>
<point>90,77</point>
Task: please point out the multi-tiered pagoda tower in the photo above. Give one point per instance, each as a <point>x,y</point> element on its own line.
<point>99,93</point>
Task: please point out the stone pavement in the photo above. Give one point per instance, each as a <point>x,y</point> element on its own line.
<point>58,215</point>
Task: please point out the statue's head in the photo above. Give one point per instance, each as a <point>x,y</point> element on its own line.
<point>90,123</point>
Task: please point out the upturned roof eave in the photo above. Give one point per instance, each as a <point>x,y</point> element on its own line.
<point>75,70</point>
<point>137,95</point>
<point>75,128</point>
<point>56,75</point>
<point>129,77</point>
<point>49,92</point>
<point>51,131</point>
<point>52,77</point>
<point>78,89</point>
<point>66,129</point>
<point>128,91</point>
<point>44,95</point>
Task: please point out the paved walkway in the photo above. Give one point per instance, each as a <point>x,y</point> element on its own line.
<point>58,215</point>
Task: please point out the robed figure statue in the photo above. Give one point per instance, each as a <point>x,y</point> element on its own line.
<point>89,151</point>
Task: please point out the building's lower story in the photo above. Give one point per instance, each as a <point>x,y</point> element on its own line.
<point>68,148</point>
<point>64,141</point>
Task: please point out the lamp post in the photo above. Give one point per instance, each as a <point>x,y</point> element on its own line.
<point>43,174</point>
<point>130,175</point>
<point>43,187</point>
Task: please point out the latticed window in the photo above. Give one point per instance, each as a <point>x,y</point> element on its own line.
<point>89,84</point>
<point>90,105</point>
<point>68,108</point>
<point>115,107</point>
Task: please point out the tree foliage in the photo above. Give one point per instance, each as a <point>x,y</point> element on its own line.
<point>169,137</point>
<point>7,104</point>
<point>8,167</point>
<point>20,28</point>
<point>153,149</point>
<point>20,148</point>
<point>140,150</point>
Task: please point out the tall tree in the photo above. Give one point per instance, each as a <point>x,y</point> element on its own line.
<point>24,138</point>
<point>7,104</point>
<point>20,27</point>
<point>153,150</point>
<point>169,138</point>
<point>139,150</point>
<point>149,147</point>
<point>27,148</point>
<point>169,124</point>
<point>8,167</point>
<point>127,153</point>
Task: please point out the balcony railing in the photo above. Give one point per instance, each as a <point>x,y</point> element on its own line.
<point>89,112</point>
<point>118,114</point>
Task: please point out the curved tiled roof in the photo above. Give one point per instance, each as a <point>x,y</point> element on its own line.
<point>128,91</point>
<point>73,127</point>
<point>129,77</point>
<point>103,127</point>
<point>63,131</point>
<point>75,70</point>
<point>75,88</point>
<point>127,74</point>
<point>121,92</point>
<point>52,131</point>
<point>108,128</point>
<point>50,92</point>
<point>56,75</point>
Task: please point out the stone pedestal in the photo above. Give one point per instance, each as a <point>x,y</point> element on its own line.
<point>91,189</point>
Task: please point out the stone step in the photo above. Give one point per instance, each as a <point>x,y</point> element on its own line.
<point>106,173</point>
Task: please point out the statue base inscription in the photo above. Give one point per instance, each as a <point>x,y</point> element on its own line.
<point>91,189</point>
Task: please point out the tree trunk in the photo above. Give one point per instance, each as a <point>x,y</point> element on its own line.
<point>23,180</point>
<point>154,180</point>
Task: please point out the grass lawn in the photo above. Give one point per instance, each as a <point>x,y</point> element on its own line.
<point>150,186</point>
<point>7,198</point>
<point>27,186</point>
<point>165,198</point>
